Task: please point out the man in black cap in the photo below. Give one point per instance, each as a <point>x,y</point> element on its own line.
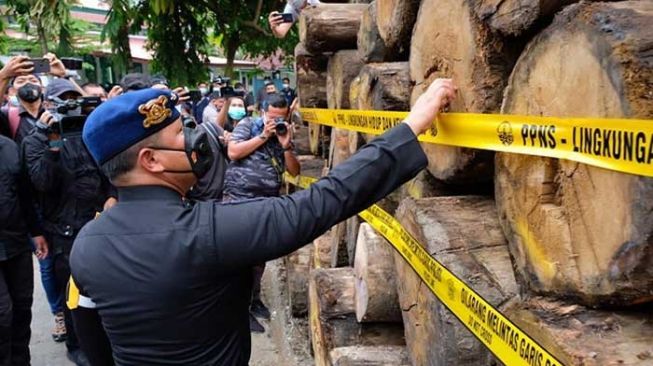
<point>171,279</point>
<point>69,189</point>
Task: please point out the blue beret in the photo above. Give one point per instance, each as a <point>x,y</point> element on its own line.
<point>121,122</point>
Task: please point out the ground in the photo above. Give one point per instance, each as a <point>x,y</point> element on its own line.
<point>284,343</point>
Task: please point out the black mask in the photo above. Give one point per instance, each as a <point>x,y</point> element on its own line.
<point>29,93</point>
<point>198,151</point>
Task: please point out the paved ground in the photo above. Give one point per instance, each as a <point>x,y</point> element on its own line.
<point>280,344</point>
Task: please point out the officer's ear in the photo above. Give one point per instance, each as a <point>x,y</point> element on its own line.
<point>149,160</point>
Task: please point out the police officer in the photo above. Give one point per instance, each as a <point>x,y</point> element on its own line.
<point>170,279</point>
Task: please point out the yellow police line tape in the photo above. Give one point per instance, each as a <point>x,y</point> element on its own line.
<point>624,145</point>
<point>504,339</point>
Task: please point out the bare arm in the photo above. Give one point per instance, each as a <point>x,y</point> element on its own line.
<point>278,27</point>
<point>222,117</point>
<point>18,65</point>
<point>242,149</point>
<point>292,165</point>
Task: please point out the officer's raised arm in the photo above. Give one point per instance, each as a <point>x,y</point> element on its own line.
<point>256,231</point>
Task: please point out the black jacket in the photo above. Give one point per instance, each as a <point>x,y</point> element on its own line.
<point>17,216</point>
<point>68,185</point>
<point>171,279</point>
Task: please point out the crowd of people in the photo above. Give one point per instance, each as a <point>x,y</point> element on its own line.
<point>52,186</point>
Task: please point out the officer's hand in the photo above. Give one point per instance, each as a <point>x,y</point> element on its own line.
<point>19,65</point>
<point>286,139</point>
<point>115,91</point>
<point>41,247</point>
<point>439,94</point>
<point>56,66</point>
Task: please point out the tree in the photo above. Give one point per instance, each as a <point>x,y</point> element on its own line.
<point>178,32</point>
<point>51,19</point>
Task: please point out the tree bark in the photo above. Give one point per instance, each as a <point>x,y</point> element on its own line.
<point>480,62</point>
<point>311,88</point>
<point>577,231</point>
<point>463,234</point>
<point>330,27</point>
<point>370,44</point>
<point>376,295</point>
<point>370,355</point>
<point>395,21</point>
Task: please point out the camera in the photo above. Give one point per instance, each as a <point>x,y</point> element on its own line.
<point>70,115</point>
<point>280,126</point>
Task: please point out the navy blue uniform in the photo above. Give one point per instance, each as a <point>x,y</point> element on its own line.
<point>171,279</point>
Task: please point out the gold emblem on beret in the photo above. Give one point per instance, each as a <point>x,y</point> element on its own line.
<point>155,111</point>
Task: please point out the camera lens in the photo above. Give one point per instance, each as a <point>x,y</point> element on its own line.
<point>281,128</point>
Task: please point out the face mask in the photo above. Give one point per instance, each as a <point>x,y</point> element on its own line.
<point>13,100</point>
<point>29,92</point>
<point>204,91</point>
<point>237,113</point>
<point>198,151</point>
<point>286,86</point>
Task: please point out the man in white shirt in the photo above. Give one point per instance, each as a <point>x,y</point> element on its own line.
<point>280,27</point>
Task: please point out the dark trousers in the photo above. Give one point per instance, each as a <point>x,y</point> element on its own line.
<point>62,273</point>
<point>257,274</point>
<point>16,289</point>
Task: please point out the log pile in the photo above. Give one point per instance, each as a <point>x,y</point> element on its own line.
<point>561,248</point>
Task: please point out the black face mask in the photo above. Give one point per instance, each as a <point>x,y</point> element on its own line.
<point>198,151</point>
<point>29,93</point>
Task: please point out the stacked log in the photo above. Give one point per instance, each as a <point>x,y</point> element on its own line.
<point>330,27</point>
<point>463,233</point>
<point>375,296</point>
<point>574,230</point>
<point>311,71</point>
<point>370,44</point>
<point>478,59</point>
<point>297,269</point>
<point>579,336</point>
<point>333,320</point>
<point>395,20</point>
<point>370,355</point>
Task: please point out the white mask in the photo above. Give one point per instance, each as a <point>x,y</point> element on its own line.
<point>13,100</point>
<point>204,91</point>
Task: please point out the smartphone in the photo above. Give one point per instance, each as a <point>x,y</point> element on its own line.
<point>287,17</point>
<point>72,63</point>
<point>41,65</point>
<point>195,95</point>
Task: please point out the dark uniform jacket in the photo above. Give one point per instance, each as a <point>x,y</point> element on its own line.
<point>25,125</point>
<point>69,187</point>
<point>171,279</point>
<point>17,216</point>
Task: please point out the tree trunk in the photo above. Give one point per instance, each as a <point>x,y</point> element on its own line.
<point>43,38</point>
<point>231,46</point>
<point>395,21</point>
<point>370,44</point>
<point>376,295</point>
<point>330,27</point>
<point>463,233</point>
<point>343,68</point>
<point>517,17</point>
<point>297,268</point>
<point>332,320</point>
<point>478,60</point>
<point>579,336</point>
<point>577,231</point>
<point>370,355</point>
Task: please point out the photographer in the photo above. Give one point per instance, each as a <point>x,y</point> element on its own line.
<point>294,7</point>
<point>69,186</point>
<point>18,73</point>
<point>261,149</point>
